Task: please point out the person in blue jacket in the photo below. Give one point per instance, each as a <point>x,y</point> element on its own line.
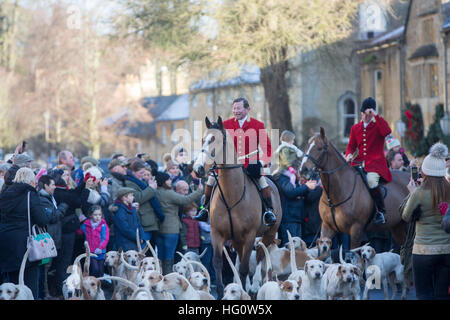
<point>292,197</point>
<point>126,220</point>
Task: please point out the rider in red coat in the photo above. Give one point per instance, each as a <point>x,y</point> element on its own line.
<point>248,134</point>
<point>368,137</point>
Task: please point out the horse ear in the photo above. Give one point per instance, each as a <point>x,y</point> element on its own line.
<point>208,123</point>
<point>220,123</point>
<point>322,133</point>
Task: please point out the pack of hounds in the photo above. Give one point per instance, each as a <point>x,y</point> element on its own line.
<point>293,272</point>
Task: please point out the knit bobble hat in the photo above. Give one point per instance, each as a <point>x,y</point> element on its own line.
<point>161,178</point>
<point>368,103</point>
<point>391,142</point>
<point>434,164</point>
<point>93,172</point>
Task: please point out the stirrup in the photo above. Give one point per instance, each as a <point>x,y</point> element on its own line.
<point>379,218</point>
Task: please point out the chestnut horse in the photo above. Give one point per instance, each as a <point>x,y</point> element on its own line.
<point>235,206</point>
<point>346,205</point>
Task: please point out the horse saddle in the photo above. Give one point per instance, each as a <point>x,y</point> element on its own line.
<point>255,182</point>
<point>364,178</point>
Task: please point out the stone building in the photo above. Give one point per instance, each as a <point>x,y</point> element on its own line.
<point>408,63</point>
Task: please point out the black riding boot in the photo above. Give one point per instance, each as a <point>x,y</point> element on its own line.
<point>204,213</point>
<point>269,217</point>
<point>377,196</point>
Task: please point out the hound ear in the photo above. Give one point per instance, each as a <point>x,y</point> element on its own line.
<point>208,123</point>
<point>244,295</point>
<point>303,244</point>
<point>184,284</point>
<point>373,253</point>
<point>306,266</point>
<point>299,282</point>
<point>339,271</point>
<point>322,133</point>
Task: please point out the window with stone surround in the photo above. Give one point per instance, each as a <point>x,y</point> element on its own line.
<point>349,114</point>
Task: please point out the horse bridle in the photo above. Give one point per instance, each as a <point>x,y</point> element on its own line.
<point>330,172</point>
<point>213,169</point>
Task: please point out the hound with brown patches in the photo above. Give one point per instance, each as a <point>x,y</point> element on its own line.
<point>339,280</point>
<point>11,291</point>
<point>280,259</point>
<point>148,280</point>
<point>91,287</point>
<point>180,287</point>
<point>390,269</point>
<point>322,250</point>
<point>278,290</point>
<point>71,286</point>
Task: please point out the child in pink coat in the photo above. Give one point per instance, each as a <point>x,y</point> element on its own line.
<point>97,235</point>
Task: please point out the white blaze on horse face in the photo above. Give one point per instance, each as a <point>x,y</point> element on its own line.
<point>305,158</point>
<point>201,159</point>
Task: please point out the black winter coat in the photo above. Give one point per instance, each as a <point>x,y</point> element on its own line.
<point>14,224</point>
<point>292,200</point>
<point>54,227</point>
<point>312,217</point>
<point>74,198</point>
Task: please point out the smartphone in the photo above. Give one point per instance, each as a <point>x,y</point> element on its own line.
<point>414,173</point>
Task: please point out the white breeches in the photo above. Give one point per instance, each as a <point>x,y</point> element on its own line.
<point>372,179</point>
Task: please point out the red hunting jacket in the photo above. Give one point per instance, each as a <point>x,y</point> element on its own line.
<point>248,138</point>
<point>370,144</point>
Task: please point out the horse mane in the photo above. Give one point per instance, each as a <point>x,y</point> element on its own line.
<point>339,154</point>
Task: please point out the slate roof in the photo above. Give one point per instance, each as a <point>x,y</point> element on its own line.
<point>161,108</point>
<point>248,75</point>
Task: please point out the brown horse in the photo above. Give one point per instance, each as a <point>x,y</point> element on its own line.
<point>235,206</point>
<point>345,191</point>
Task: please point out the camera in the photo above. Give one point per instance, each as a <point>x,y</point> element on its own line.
<point>414,173</point>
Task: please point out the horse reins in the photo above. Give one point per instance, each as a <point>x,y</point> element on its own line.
<point>213,170</point>
<point>330,172</point>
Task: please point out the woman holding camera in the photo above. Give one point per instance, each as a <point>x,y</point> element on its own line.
<point>431,249</point>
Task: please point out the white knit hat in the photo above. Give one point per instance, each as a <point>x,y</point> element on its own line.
<point>391,142</point>
<point>434,164</point>
<point>95,172</point>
